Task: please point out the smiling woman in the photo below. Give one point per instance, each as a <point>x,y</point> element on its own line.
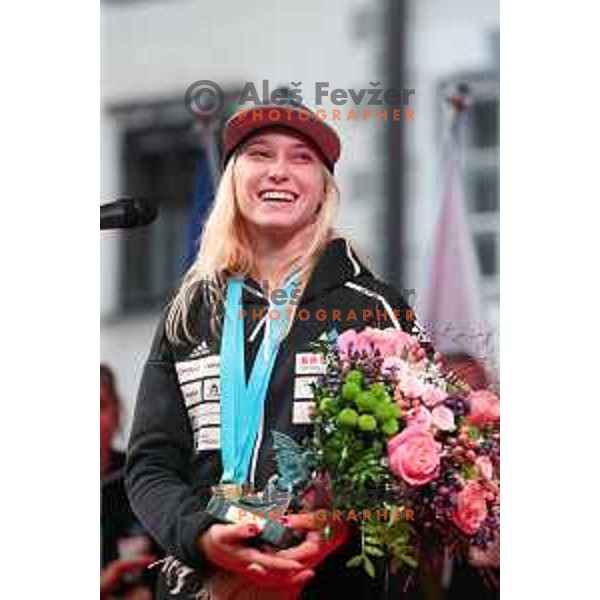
<point>216,383</point>
<point>248,231</point>
<point>279,182</point>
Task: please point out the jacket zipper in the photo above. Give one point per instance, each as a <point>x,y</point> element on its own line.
<point>257,446</point>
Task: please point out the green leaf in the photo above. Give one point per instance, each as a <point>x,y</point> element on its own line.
<point>409,560</point>
<point>469,472</point>
<point>374,551</point>
<point>355,561</point>
<point>369,567</point>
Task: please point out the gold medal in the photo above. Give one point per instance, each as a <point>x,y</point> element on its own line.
<point>229,491</point>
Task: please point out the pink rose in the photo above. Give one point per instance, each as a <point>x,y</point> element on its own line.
<point>484,407</point>
<point>484,464</point>
<point>471,508</point>
<point>443,418</point>
<point>432,395</point>
<point>414,455</point>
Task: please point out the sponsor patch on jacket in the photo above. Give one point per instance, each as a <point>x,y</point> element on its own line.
<point>212,389</point>
<point>309,363</point>
<point>208,438</point>
<point>192,393</point>
<point>203,415</point>
<point>302,413</point>
<point>198,368</point>
<point>188,370</point>
<point>303,388</point>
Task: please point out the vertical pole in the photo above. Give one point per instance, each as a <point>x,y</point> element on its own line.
<point>393,143</point>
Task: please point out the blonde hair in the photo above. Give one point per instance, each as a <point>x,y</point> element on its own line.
<point>225,249</point>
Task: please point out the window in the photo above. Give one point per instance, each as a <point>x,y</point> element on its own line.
<point>484,122</point>
<point>482,172</point>
<point>170,158</point>
<point>160,164</point>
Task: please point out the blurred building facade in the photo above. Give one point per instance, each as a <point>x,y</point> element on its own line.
<point>151,51</point>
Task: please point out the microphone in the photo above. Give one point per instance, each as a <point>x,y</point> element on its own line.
<point>126,213</point>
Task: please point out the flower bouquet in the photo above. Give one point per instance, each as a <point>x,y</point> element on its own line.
<point>400,450</point>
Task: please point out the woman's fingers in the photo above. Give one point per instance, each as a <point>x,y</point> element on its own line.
<point>315,548</point>
<point>261,576</point>
<point>304,521</point>
<point>268,561</point>
<point>302,577</point>
<point>306,551</point>
<point>274,580</point>
<point>256,569</point>
<point>234,534</point>
<point>227,548</point>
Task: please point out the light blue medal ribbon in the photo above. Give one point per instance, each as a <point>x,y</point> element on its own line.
<point>242,404</point>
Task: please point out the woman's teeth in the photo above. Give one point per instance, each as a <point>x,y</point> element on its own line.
<point>278,196</point>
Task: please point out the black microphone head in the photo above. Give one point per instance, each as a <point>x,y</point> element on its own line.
<point>143,212</point>
<point>127,213</point>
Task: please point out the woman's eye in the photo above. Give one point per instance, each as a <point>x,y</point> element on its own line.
<point>304,157</point>
<point>260,153</point>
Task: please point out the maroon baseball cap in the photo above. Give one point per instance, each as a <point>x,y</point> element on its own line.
<point>249,121</point>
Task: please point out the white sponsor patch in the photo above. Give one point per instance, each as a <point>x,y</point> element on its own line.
<point>192,392</point>
<point>212,389</point>
<point>210,366</point>
<point>302,412</point>
<point>205,414</point>
<point>308,363</point>
<point>302,387</point>
<point>208,438</point>
<point>188,370</point>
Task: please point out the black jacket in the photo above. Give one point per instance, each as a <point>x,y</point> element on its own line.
<point>174,452</point>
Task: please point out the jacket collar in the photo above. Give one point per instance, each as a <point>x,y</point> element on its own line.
<point>337,264</point>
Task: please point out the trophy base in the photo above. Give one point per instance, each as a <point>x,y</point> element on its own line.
<point>272,532</point>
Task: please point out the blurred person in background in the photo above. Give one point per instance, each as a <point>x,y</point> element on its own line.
<point>126,549</point>
<point>273,216</point>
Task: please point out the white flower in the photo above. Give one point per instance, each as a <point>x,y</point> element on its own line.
<point>443,418</point>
